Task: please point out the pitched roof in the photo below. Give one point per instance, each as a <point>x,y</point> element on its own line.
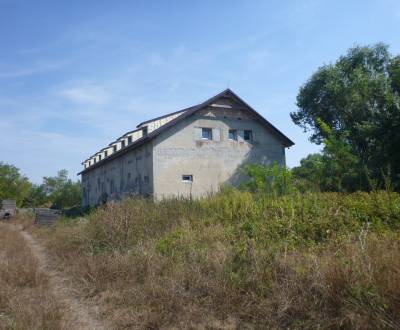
<point>188,112</point>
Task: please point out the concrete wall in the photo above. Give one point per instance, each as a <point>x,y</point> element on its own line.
<point>125,175</point>
<point>181,151</point>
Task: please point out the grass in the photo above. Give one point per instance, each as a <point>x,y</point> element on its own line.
<point>239,260</point>
<point>25,302</point>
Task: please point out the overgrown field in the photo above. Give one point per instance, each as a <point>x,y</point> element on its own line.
<point>239,260</point>
<point>25,300</point>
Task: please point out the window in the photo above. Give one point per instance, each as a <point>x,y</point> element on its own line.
<point>232,134</point>
<point>206,133</point>
<point>122,143</point>
<point>187,178</point>
<point>146,179</point>
<point>114,148</point>
<point>144,131</point>
<point>248,135</point>
<point>129,139</point>
<point>106,153</point>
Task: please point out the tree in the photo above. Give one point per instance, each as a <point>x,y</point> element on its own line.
<point>358,99</point>
<point>271,179</point>
<point>13,184</point>
<point>61,191</point>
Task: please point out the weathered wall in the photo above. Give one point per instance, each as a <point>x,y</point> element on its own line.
<point>181,151</point>
<point>128,174</point>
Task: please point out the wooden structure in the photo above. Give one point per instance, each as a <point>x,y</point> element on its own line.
<point>8,208</point>
<point>45,216</point>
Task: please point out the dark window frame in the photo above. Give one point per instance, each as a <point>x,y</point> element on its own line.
<point>235,135</point>
<point>248,135</point>
<point>187,178</point>
<point>208,131</point>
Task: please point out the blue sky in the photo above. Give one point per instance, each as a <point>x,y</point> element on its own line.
<point>75,75</point>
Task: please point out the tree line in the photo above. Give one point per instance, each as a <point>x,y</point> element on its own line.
<point>56,192</point>
<point>352,107</point>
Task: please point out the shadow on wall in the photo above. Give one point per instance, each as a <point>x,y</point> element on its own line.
<point>239,176</point>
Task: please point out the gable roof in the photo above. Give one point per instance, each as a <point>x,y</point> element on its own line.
<point>186,113</point>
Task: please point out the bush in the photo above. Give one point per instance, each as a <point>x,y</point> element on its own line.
<point>324,260</point>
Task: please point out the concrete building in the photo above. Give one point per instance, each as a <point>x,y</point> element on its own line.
<point>191,152</point>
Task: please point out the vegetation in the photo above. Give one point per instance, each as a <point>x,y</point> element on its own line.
<point>353,107</point>
<point>317,246</point>
<point>25,302</point>
<point>311,260</point>
<point>57,192</point>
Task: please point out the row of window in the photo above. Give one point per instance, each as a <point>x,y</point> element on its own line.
<point>206,134</point>
<point>123,145</point>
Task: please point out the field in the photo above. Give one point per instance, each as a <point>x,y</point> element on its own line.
<point>237,260</point>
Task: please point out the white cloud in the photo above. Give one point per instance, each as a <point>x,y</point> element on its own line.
<point>86,94</point>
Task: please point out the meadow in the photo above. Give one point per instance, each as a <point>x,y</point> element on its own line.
<point>238,260</point>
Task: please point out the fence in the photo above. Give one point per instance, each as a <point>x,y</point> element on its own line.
<point>46,216</point>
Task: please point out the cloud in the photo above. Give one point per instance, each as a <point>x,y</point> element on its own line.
<point>39,68</point>
<point>91,94</point>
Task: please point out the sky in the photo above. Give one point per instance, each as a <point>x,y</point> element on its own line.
<point>76,75</point>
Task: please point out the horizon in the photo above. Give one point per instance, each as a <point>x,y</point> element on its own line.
<point>75,76</point>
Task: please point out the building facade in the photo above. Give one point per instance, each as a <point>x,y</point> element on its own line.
<point>191,152</point>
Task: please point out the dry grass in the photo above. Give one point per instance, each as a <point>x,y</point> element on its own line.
<point>25,301</point>
<point>237,262</point>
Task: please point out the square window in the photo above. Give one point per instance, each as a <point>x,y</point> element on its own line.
<point>233,134</point>
<point>206,133</point>
<point>187,178</point>
<point>248,135</point>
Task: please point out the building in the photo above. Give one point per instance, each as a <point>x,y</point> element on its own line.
<point>191,152</point>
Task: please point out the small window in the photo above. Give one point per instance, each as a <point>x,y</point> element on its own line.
<point>187,178</point>
<point>248,135</point>
<point>129,139</point>
<point>99,157</point>
<point>144,131</point>
<point>114,148</point>
<point>233,134</point>
<point>206,133</point>
<point>106,153</point>
<point>122,143</point>
<point>146,179</point>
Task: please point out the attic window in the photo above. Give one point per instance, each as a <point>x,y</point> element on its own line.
<point>106,153</point>
<point>122,143</point>
<point>114,148</point>
<point>248,135</point>
<point>232,135</point>
<point>129,139</point>
<point>206,133</point>
<point>144,131</point>
<point>187,178</point>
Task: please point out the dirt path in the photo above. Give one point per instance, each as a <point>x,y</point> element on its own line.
<point>77,315</point>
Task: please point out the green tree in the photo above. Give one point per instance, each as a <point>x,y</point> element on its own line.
<point>13,184</point>
<point>270,179</point>
<point>358,99</point>
<point>61,191</point>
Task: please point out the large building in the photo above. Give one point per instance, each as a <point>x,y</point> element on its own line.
<point>191,152</point>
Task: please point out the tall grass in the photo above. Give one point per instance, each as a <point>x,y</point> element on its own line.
<point>25,301</point>
<point>238,259</point>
